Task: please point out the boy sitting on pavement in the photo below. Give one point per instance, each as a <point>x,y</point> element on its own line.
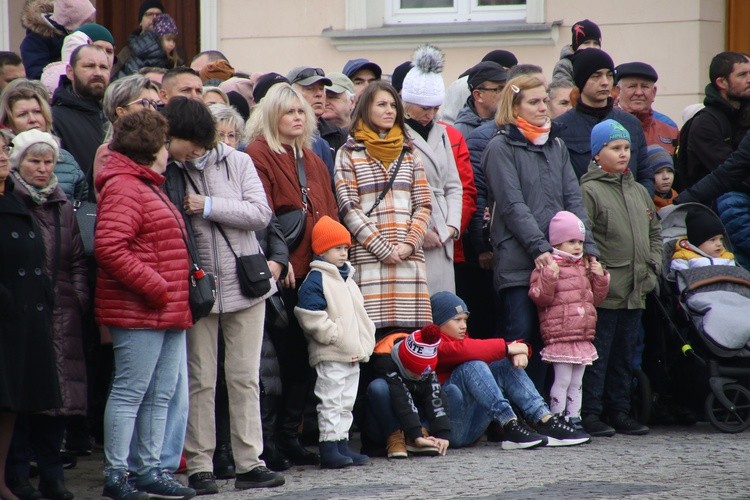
<point>406,393</point>
<point>340,335</point>
<point>477,373</point>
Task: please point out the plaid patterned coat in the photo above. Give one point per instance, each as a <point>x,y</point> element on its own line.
<point>395,295</point>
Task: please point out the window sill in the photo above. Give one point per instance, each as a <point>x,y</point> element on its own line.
<point>480,34</point>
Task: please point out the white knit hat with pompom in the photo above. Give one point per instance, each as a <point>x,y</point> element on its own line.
<point>424,84</point>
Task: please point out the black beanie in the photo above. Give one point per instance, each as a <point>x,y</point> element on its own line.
<point>239,103</point>
<point>588,62</point>
<point>399,73</point>
<point>585,30</point>
<point>504,58</point>
<point>149,4</point>
<point>702,225</point>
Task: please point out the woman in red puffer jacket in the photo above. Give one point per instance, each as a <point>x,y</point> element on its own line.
<point>142,296</point>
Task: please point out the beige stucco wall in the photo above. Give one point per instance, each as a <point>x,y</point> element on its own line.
<point>677,37</point>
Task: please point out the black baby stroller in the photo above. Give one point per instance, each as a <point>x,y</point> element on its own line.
<point>709,304</point>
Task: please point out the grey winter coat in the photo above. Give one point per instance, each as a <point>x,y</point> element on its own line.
<point>528,185</point>
<point>240,206</point>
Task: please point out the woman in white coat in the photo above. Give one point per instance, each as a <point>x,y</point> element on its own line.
<point>423,92</point>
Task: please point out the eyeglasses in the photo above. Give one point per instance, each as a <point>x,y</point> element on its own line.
<point>307,73</point>
<point>227,135</point>
<point>146,103</point>
<point>6,149</point>
<point>495,90</point>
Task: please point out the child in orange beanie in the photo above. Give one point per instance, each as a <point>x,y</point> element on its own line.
<point>340,335</point>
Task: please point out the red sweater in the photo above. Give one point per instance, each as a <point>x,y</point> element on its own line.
<point>142,280</point>
<point>452,352</point>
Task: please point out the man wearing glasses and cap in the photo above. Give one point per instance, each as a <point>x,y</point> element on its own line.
<point>485,80</point>
<point>311,83</point>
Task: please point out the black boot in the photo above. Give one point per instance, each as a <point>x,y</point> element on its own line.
<point>289,419</point>
<point>54,489</point>
<point>23,489</point>
<point>224,461</point>
<point>274,459</point>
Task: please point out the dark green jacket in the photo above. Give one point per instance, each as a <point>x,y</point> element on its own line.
<point>627,233</point>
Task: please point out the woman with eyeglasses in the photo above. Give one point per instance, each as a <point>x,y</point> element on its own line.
<point>281,130</point>
<point>24,105</point>
<point>423,92</point>
<point>126,95</point>
<point>230,127</point>
<point>530,178</point>
<point>28,378</point>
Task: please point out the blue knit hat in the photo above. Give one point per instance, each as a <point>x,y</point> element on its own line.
<point>606,132</point>
<point>446,306</point>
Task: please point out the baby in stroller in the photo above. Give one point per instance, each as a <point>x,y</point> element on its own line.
<point>704,245</point>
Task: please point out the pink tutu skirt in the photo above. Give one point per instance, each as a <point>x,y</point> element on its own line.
<point>579,352</point>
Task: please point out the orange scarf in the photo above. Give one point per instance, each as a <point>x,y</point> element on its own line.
<point>532,133</point>
<point>386,150</point>
<point>663,200</point>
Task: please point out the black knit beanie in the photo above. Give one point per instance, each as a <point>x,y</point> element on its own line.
<point>585,30</point>
<point>588,62</point>
<point>701,226</point>
<point>149,4</point>
<point>399,73</point>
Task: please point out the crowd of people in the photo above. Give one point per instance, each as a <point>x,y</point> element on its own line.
<point>267,244</point>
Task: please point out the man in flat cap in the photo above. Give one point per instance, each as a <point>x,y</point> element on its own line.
<point>636,82</point>
<point>485,80</point>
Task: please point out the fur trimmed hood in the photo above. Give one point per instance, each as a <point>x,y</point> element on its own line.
<point>33,18</point>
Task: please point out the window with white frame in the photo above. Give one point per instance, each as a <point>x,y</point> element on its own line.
<point>449,11</point>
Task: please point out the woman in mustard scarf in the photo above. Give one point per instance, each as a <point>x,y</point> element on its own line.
<point>388,234</point>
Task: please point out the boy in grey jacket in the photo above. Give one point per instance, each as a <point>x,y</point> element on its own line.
<point>340,335</point>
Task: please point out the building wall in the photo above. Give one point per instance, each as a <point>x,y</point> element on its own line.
<point>677,37</point>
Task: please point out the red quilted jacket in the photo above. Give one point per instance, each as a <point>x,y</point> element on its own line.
<point>567,304</point>
<point>466,174</point>
<point>142,281</point>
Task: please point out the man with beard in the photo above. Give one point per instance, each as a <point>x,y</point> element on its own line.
<point>77,105</point>
<point>593,74</point>
<point>717,130</point>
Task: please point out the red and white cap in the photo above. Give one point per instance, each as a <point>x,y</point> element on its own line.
<point>418,351</point>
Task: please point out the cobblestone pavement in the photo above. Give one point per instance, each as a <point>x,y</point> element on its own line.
<point>671,462</point>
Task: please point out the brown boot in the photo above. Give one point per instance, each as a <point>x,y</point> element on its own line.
<point>396,445</point>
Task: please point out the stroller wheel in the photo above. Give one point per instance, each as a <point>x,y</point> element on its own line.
<point>732,418</point>
<point>640,397</point>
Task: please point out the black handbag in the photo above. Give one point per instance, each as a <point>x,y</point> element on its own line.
<point>293,223</point>
<point>276,315</point>
<point>86,216</point>
<point>201,285</point>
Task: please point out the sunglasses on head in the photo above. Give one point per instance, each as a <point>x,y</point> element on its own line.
<point>307,73</point>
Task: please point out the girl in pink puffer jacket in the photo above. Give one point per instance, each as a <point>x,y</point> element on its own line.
<point>566,293</point>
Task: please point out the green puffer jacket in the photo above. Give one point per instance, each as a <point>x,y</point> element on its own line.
<point>627,233</point>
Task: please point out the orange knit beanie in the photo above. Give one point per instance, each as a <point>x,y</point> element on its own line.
<point>328,233</point>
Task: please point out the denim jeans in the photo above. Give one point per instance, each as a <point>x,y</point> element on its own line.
<point>147,364</point>
<point>479,393</point>
<point>607,382</point>
<point>381,420</point>
<point>519,320</point>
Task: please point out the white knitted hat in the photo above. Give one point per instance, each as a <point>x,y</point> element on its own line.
<point>423,84</point>
<point>26,139</point>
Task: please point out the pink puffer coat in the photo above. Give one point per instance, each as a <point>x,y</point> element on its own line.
<point>567,304</point>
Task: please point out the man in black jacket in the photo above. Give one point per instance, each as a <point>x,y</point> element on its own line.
<point>717,130</point>
<point>77,106</point>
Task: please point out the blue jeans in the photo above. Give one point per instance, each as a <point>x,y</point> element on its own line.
<point>519,320</point>
<point>147,364</point>
<point>381,420</point>
<point>607,382</point>
<point>174,433</point>
<point>476,396</point>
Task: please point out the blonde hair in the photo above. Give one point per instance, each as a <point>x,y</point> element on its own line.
<point>511,97</point>
<point>19,90</point>
<point>264,121</point>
